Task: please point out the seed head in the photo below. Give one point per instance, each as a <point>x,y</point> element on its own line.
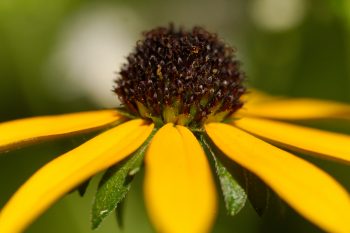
<point>184,77</point>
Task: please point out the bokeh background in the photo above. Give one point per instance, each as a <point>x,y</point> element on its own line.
<point>61,56</point>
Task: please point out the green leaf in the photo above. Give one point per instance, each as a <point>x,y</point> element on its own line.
<point>115,184</point>
<point>234,195</point>
<point>261,197</point>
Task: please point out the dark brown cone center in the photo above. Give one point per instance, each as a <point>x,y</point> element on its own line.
<point>184,77</point>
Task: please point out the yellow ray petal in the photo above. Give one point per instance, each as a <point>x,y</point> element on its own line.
<point>306,188</point>
<point>24,131</point>
<point>67,171</point>
<point>179,190</point>
<point>297,109</point>
<point>326,144</point>
<point>255,97</point>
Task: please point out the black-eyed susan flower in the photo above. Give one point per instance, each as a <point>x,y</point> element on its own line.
<point>182,94</point>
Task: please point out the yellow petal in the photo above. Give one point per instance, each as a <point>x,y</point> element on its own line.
<point>256,97</point>
<point>179,190</point>
<point>326,144</point>
<point>24,131</point>
<point>69,170</point>
<point>297,109</point>
<point>306,188</point>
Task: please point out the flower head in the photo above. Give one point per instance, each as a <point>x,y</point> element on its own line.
<point>182,77</point>
<point>182,94</point>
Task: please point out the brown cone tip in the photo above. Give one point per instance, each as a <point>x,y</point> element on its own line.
<point>184,77</point>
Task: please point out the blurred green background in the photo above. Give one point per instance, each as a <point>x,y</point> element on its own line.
<point>60,56</point>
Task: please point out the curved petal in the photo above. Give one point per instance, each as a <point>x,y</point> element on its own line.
<point>67,171</point>
<point>297,109</point>
<point>179,190</point>
<point>306,188</point>
<point>326,144</point>
<point>25,131</point>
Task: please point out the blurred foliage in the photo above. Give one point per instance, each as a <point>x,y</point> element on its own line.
<point>310,58</point>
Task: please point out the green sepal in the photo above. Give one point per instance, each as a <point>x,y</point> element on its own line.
<point>256,191</point>
<point>143,110</point>
<point>230,119</point>
<point>170,114</point>
<point>218,117</point>
<point>158,122</point>
<point>234,195</point>
<point>83,187</point>
<point>259,194</point>
<point>204,101</point>
<point>264,200</point>
<point>119,213</point>
<point>124,112</point>
<point>184,119</point>
<point>116,183</point>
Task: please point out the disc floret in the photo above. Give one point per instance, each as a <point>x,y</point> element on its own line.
<point>183,77</point>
